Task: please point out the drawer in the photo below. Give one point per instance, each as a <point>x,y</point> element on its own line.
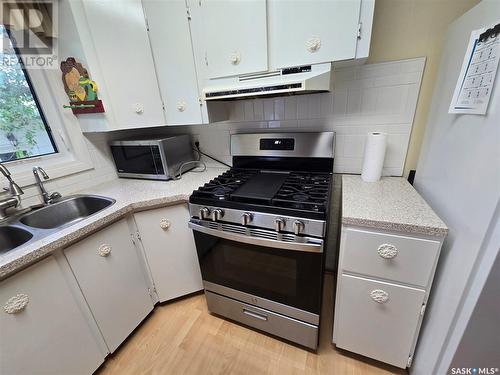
<point>404,259</point>
<point>276,324</point>
<point>382,330</point>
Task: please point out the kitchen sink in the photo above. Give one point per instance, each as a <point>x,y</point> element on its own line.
<point>65,212</point>
<point>12,237</point>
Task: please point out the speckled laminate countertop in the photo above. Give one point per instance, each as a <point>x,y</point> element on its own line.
<point>391,204</point>
<point>130,195</point>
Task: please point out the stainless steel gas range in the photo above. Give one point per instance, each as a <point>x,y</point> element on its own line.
<point>260,232</point>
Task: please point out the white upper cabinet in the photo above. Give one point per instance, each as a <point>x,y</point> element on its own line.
<point>114,32</point>
<point>303,32</point>
<point>234,34</point>
<point>170,37</point>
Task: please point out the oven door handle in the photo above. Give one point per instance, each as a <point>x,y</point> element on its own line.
<point>313,245</point>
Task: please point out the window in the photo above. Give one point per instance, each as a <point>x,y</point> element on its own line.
<point>24,132</point>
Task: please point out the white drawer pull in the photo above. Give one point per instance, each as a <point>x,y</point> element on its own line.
<point>164,224</point>
<point>379,295</point>
<point>235,58</point>
<point>104,250</point>
<point>313,44</point>
<point>16,304</point>
<point>387,251</point>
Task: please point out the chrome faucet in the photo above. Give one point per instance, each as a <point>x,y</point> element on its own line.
<point>47,198</point>
<point>15,193</point>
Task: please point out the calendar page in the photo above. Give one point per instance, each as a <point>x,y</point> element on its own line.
<point>480,65</point>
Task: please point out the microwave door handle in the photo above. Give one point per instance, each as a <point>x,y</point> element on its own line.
<point>313,245</point>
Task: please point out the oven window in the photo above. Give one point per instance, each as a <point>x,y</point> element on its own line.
<point>137,159</point>
<point>285,276</point>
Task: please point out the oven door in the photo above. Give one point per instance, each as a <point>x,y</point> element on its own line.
<point>260,263</point>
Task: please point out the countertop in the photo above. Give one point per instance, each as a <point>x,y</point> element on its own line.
<point>130,196</point>
<point>390,204</point>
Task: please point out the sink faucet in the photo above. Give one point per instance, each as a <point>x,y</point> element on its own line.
<point>47,198</point>
<point>15,191</point>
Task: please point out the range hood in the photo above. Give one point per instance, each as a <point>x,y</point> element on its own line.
<point>296,80</point>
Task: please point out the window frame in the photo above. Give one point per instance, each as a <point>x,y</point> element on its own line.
<point>73,155</point>
<point>37,103</point>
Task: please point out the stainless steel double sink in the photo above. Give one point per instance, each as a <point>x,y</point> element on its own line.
<point>34,225</point>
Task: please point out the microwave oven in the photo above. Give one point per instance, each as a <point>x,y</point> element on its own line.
<point>153,159</point>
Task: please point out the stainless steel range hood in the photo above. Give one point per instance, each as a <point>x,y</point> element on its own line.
<point>296,80</point>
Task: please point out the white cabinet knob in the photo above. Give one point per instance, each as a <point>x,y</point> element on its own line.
<point>181,106</point>
<point>379,295</point>
<point>387,251</point>
<point>164,224</point>
<point>138,108</point>
<point>235,58</point>
<point>313,44</point>
<point>104,250</point>
<point>16,303</point>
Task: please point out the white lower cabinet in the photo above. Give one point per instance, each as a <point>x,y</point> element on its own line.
<point>108,270</point>
<point>378,319</point>
<point>170,251</point>
<point>383,286</point>
<point>42,325</point>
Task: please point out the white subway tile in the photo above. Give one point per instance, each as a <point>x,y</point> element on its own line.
<point>258,109</point>
<point>290,107</point>
<point>279,109</point>
<point>268,109</point>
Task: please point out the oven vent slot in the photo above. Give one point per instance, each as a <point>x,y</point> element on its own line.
<point>253,232</point>
<point>233,229</point>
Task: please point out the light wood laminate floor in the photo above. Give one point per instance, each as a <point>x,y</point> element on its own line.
<point>183,338</point>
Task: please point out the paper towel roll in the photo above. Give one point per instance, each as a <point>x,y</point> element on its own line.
<point>373,162</point>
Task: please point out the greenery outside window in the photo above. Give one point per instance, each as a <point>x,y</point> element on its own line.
<point>24,132</point>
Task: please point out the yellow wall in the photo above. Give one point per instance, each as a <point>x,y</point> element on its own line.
<point>412,28</point>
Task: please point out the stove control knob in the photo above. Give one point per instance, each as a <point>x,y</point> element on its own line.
<point>204,213</point>
<point>217,214</point>
<point>298,226</point>
<point>246,218</point>
<point>279,224</point>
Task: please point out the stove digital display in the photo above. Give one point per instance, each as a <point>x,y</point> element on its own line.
<point>287,144</point>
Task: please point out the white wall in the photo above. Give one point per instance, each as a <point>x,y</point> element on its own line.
<point>458,176</point>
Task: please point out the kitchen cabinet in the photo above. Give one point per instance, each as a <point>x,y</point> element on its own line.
<point>116,44</point>
<point>108,270</point>
<point>233,35</point>
<point>43,327</point>
<point>170,251</point>
<point>170,36</point>
<point>308,32</point>
<point>383,285</point>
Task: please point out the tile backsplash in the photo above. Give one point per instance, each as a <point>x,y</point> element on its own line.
<point>365,98</point>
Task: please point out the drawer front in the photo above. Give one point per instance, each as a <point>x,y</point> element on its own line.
<point>378,320</point>
<point>392,257</point>
<point>276,324</point>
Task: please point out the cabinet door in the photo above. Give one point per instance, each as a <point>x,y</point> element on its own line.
<point>107,268</point>
<point>377,319</point>
<point>235,36</point>
<point>170,251</point>
<point>120,38</point>
<point>50,335</point>
<point>309,32</point>
<point>173,54</point>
